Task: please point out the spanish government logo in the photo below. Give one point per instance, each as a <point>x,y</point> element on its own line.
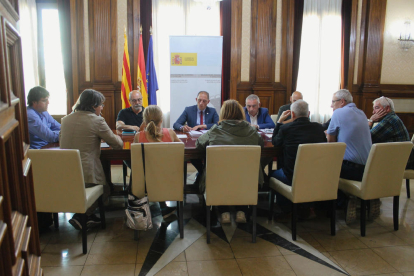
<point>183,59</point>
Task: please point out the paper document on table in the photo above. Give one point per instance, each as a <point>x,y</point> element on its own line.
<point>181,136</point>
<point>204,130</point>
<point>104,145</point>
<point>269,135</point>
<point>195,133</point>
<point>267,130</point>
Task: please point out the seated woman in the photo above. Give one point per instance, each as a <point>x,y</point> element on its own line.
<point>232,129</point>
<point>153,132</point>
<point>84,129</point>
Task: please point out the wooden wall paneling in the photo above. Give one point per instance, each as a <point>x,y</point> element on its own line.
<point>267,99</point>
<point>362,34</point>
<point>10,10</point>
<point>81,41</point>
<point>263,42</point>
<point>109,110</point>
<point>236,33</point>
<point>114,41</point>
<point>288,30</point>
<point>3,71</point>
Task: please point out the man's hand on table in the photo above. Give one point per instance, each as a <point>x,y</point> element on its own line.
<point>199,127</point>
<point>185,128</point>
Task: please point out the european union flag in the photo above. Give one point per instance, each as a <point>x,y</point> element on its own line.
<point>152,83</point>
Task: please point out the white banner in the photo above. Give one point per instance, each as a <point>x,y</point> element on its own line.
<point>195,66</point>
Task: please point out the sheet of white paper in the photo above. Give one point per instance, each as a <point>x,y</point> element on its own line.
<point>104,145</point>
<point>204,130</point>
<point>269,135</point>
<point>195,133</point>
<point>181,136</point>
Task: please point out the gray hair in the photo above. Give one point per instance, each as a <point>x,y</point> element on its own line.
<point>253,97</point>
<point>344,94</point>
<point>133,91</point>
<point>384,101</point>
<point>300,108</point>
<point>208,95</point>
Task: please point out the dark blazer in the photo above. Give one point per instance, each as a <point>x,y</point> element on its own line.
<point>290,136</point>
<point>282,109</point>
<point>190,116</point>
<point>263,118</point>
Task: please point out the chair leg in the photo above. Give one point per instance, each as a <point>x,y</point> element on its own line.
<point>333,217</point>
<point>102,212</point>
<point>407,185</point>
<point>208,223</point>
<point>84,234</point>
<point>181,216</point>
<point>124,172</point>
<point>254,223</point>
<point>271,203</point>
<point>396,211</point>
<point>294,214</point>
<point>363,216</point>
<point>56,220</point>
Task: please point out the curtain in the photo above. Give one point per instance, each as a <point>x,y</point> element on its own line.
<point>320,56</point>
<point>66,42</point>
<point>178,17</point>
<point>28,32</point>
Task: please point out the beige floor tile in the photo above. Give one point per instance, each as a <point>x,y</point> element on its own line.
<point>138,269</point>
<point>404,216</point>
<point>42,246</point>
<point>378,237</point>
<point>180,258</point>
<point>412,272</point>
<point>389,274</point>
<point>406,233</point>
<point>109,270</point>
<point>304,266</point>
<point>244,248</point>
<point>312,241</point>
<point>241,233</point>
<point>62,254</point>
<point>174,269</point>
<point>112,253</point>
<point>116,230</point>
<point>329,256</point>
<point>72,236</point>
<point>343,240</point>
<point>143,248</point>
<point>216,267</point>
<point>265,266</point>
<point>362,262</point>
<point>400,257</point>
<point>62,270</point>
<point>201,251</point>
<point>285,251</point>
<point>317,224</point>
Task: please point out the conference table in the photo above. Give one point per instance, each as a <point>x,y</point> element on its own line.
<point>109,154</point>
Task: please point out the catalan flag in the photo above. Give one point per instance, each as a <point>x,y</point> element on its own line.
<point>126,76</point>
<point>152,82</point>
<point>141,79</point>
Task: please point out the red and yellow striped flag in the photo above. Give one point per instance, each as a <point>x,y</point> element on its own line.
<point>141,76</point>
<point>126,76</point>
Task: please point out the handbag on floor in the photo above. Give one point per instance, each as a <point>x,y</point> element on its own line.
<point>138,212</point>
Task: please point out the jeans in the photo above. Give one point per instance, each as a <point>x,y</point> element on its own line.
<point>282,201</point>
<point>351,173</point>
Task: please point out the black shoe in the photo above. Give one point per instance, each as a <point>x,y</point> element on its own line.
<point>167,211</point>
<point>75,221</point>
<point>92,221</point>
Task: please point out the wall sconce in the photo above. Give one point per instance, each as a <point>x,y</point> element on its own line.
<point>405,36</point>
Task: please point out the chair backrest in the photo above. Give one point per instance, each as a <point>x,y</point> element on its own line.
<point>164,171</point>
<point>274,118</point>
<point>316,173</point>
<point>58,180</point>
<point>232,175</point>
<point>385,169</point>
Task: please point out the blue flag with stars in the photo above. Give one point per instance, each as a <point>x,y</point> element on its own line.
<point>152,83</point>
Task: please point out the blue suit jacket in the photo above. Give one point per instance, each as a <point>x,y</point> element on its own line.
<point>263,118</point>
<point>190,116</point>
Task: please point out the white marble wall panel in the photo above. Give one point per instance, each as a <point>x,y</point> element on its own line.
<point>278,40</point>
<point>86,36</point>
<point>358,40</point>
<point>404,105</point>
<point>245,47</point>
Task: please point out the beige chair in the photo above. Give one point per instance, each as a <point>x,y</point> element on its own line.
<point>232,174</point>
<point>382,177</point>
<point>164,174</point>
<point>59,185</point>
<point>409,174</point>
<point>315,178</point>
<point>274,118</point>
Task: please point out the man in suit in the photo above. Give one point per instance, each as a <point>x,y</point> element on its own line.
<point>43,129</point>
<point>257,116</point>
<point>295,96</point>
<point>198,116</point>
<point>289,137</point>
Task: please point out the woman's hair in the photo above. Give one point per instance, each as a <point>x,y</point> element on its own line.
<point>88,100</point>
<point>152,118</point>
<point>231,110</point>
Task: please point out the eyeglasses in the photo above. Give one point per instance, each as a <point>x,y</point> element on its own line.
<point>136,100</point>
<point>44,100</point>
<point>102,105</point>
<point>335,101</point>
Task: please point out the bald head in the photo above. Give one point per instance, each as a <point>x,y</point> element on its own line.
<point>296,96</point>
<point>135,99</point>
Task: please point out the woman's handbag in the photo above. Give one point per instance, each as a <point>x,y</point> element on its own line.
<point>138,211</point>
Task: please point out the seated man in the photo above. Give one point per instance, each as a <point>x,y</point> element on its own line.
<point>130,118</point>
<point>257,116</point>
<point>295,96</point>
<point>43,129</point>
<point>349,125</point>
<point>289,137</point>
<point>198,117</point>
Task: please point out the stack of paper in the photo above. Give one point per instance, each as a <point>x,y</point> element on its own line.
<point>195,133</point>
